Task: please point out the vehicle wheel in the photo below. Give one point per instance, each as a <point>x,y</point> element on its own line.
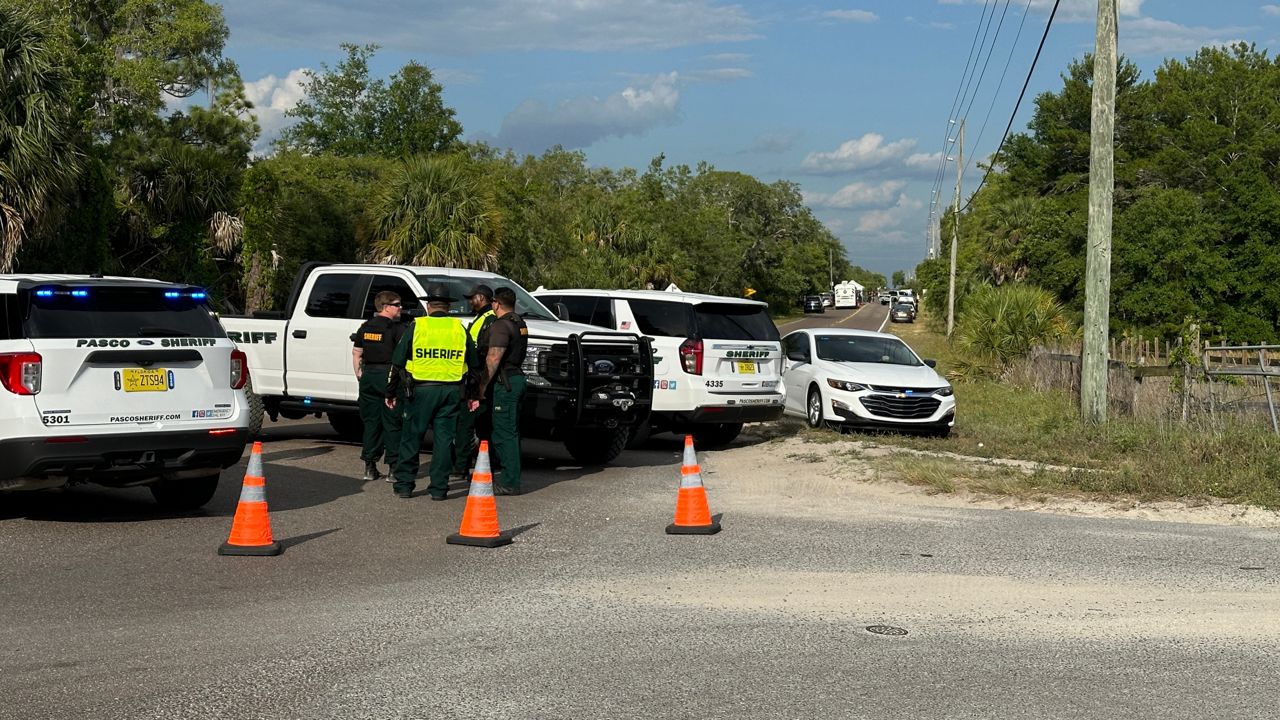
<point>597,447</point>
<point>256,409</point>
<point>717,435</point>
<point>185,493</point>
<point>813,409</point>
<point>347,425</point>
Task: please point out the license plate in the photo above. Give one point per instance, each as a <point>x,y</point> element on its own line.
<point>146,380</point>
<point>746,368</point>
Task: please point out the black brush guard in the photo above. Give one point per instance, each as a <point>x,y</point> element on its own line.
<point>596,380</point>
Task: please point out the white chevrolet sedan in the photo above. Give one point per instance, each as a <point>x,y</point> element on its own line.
<point>861,378</point>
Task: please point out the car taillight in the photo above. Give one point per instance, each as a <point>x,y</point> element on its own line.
<point>239,369</point>
<point>20,372</point>
<point>691,356</point>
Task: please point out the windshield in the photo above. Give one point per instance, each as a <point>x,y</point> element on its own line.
<point>119,312</point>
<point>854,348</point>
<point>528,307</point>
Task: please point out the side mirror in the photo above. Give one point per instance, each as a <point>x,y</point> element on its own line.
<point>561,310</point>
<point>795,356</point>
<point>931,363</point>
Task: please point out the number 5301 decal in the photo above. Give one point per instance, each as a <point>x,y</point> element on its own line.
<point>56,419</point>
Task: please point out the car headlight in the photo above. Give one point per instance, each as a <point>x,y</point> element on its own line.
<point>530,366</point>
<point>846,385</point>
<point>944,392</point>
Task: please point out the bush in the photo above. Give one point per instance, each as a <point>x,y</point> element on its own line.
<point>998,325</point>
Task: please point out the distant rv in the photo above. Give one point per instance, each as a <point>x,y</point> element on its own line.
<point>847,294</point>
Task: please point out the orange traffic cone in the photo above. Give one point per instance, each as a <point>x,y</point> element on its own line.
<point>480,516</point>
<point>251,527</point>
<point>693,516</point>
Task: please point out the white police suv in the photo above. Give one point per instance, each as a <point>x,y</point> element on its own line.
<point>119,382</point>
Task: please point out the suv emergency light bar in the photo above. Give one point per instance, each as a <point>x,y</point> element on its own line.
<point>193,294</point>
<point>49,292</point>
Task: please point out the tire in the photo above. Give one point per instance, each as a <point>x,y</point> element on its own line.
<point>597,447</point>
<point>348,426</point>
<point>717,435</point>
<point>813,409</point>
<point>256,410</point>
<point>185,493</point>
<point>639,435</point>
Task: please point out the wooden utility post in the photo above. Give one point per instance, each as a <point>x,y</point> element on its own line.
<point>955,236</point>
<point>1097,281</point>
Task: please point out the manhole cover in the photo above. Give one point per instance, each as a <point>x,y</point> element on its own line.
<point>887,630</point>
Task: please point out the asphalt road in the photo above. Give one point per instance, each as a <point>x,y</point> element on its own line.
<point>868,317</point>
<point>113,609</point>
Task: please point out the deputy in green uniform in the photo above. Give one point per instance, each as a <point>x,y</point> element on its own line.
<point>474,425</point>
<point>508,340</point>
<point>430,361</point>
<point>372,345</point>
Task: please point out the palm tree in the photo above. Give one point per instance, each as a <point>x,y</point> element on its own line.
<point>1011,218</point>
<point>36,158</point>
<point>434,211</point>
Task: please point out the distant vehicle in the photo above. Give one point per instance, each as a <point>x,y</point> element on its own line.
<point>813,304</point>
<point>860,378</point>
<point>903,312</point>
<point>846,295</point>
<point>120,382</point>
<point>886,298</point>
<point>828,299</point>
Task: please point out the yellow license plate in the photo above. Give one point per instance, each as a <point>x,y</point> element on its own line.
<point>146,380</point>
<point>746,368</point>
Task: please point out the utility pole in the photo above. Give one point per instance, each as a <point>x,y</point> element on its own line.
<point>955,236</point>
<point>1097,280</point>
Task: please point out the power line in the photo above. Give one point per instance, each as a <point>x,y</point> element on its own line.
<point>990,52</point>
<point>1017,36</point>
<point>955,101</point>
<point>1016,105</point>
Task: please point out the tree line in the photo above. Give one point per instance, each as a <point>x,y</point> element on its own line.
<point>1196,234</point>
<point>126,147</point>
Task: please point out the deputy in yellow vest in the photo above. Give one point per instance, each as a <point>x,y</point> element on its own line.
<point>431,359</point>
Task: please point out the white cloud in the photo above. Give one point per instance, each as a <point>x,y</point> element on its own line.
<point>861,16</point>
<point>718,74</point>
<point>857,195</point>
<point>448,26</point>
<point>1069,10</point>
<point>1149,36</point>
<point>535,126</point>
<point>861,153</point>
<point>271,97</point>
<point>772,143</point>
<point>880,220</point>
<point>923,161</point>
<point>1272,10</point>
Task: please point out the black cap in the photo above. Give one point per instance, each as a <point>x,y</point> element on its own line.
<point>484,290</point>
<point>439,293</point>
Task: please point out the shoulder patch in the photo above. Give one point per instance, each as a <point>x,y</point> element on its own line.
<point>524,331</point>
<point>373,337</point>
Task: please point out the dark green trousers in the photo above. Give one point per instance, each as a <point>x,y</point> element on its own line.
<point>381,423</point>
<point>507,403</point>
<point>472,427</point>
<point>433,407</point>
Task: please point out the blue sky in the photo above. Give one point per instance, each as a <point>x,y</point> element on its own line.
<point>849,99</point>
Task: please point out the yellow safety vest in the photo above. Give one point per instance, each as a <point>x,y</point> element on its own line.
<point>477,325</point>
<point>439,350</point>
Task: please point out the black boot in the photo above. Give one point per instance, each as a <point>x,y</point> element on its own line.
<point>371,471</point>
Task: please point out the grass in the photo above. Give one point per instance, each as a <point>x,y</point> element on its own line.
<point>1147,460</point>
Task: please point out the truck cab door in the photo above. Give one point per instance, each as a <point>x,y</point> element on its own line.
<point>318,349</point>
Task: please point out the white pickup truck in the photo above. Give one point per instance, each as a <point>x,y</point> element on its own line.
<point>587,387</point>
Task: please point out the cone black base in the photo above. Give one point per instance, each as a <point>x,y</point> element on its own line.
<point>252,550</point>
<point>484,542</point>
<point>711,529</point>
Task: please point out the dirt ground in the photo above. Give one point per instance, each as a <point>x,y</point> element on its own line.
<point>774,471</point>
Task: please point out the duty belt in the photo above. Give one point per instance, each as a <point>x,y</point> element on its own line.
<point>421,383</point>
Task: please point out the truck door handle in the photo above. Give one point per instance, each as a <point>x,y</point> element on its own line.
<point>300,334</point>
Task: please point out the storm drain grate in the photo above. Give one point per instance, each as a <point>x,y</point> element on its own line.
<point>886,630</point>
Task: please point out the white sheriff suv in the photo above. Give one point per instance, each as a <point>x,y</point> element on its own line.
<point>717,360</point>
<point>120,382</point>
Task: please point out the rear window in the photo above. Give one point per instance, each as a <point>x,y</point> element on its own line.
<point>10,320</point>
<point>734,321</point>
<point>115,312</point>
<point>662,318</point>
<point>331,296</point>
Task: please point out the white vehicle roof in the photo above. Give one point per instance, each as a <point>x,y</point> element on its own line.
<point>416,270</point>
<point>845,331</point>
<point>9,283</point>
<point>684,297</point>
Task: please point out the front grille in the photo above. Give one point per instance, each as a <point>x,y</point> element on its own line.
<point>909,407</point>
